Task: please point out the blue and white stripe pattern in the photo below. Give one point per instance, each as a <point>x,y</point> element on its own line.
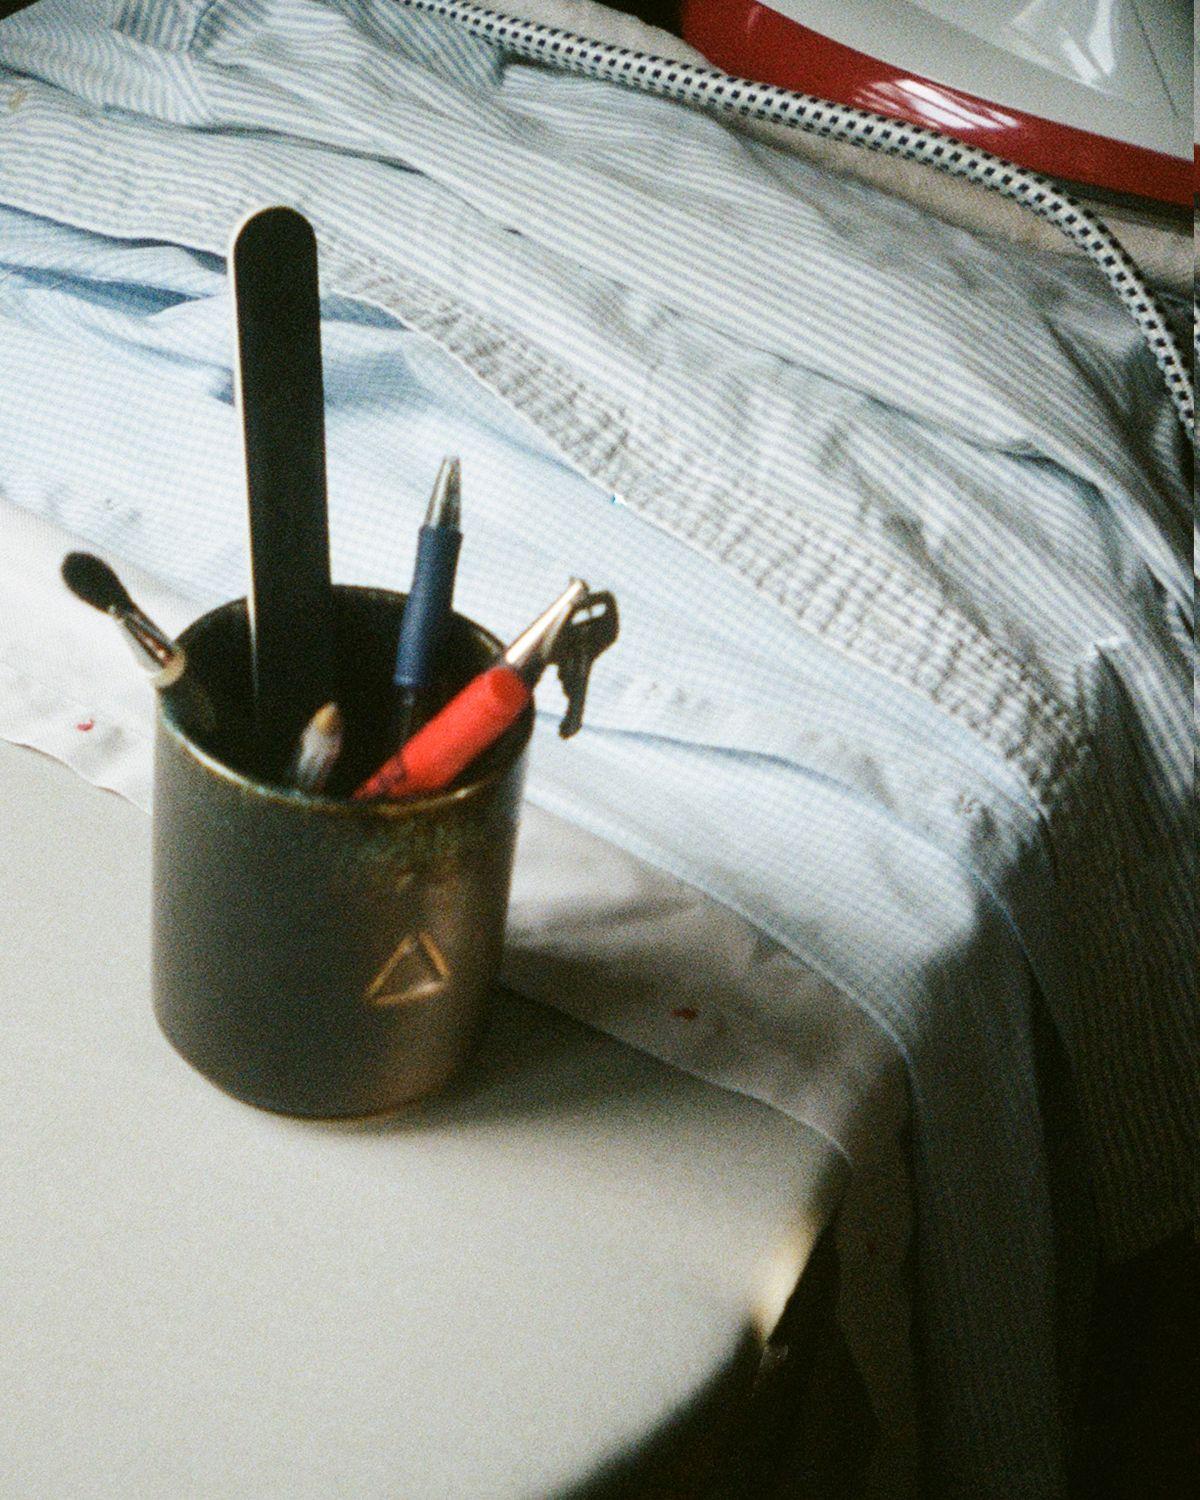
<point>928,720</point>
<point>745,98</point>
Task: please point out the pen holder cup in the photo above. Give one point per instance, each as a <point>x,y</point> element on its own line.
<point>314,955</point>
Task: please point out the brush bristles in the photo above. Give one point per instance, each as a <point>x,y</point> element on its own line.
<point>94,582</point>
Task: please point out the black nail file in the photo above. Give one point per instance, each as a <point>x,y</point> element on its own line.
<point>279,392</point>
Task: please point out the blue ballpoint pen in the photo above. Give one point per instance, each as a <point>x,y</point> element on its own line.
<point>427,609</point>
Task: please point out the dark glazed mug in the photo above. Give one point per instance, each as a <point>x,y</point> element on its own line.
<point>314,955</point>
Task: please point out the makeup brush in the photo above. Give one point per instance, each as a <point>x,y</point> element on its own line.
<point>164,662</point>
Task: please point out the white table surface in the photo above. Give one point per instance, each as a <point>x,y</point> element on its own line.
<point>491,1296</point>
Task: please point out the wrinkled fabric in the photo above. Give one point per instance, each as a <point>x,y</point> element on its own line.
<point>900,534</point>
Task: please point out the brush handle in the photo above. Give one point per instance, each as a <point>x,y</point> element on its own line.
<point>280,394</point>
<point>474,718</point>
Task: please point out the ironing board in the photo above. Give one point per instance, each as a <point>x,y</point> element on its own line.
<point>512,1290</point>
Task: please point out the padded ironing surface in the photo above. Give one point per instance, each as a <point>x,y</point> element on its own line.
<point>500,1293</point>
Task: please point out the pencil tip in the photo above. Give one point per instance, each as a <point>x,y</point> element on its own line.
<point>445,504</point>
<point>328,719</point>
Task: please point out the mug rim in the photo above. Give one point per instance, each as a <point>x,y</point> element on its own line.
<point>317,801</point>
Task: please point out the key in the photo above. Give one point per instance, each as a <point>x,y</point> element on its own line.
<point>590,631</point>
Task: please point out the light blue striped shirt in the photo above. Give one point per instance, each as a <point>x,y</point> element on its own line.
<point>898,522</point>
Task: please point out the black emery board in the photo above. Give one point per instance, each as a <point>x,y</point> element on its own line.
<point>279,392</point>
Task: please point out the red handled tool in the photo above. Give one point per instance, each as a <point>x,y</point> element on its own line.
<point>477,716</point>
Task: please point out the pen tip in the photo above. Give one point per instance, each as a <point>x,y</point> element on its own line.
<point>94,582</point>
<point>445,504</point>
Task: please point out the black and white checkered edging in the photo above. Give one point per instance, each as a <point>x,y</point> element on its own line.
<point>711,87</point>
